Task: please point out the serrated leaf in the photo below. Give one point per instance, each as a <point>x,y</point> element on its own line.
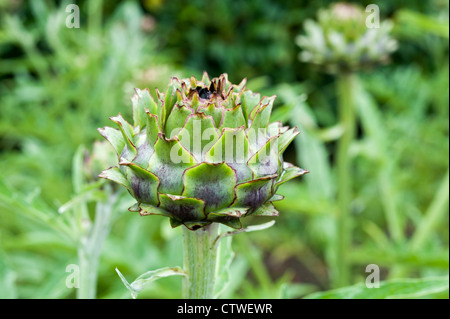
<point>249,101</point>
<point>286,138</point>
<point>211,109</point>
<point>276,198</point>
<point>243,230</point>
<point>266,210</point>
<point>114,174</point>
<point>232,147</point>
<point>143,183</point>
<point>176,120</point>
<point>260,116</point>
<point>141,101</point>
<point>231,211</point>
<point>168,162</point>
<point>114,137</point>
<point>126,129</point>
<point>170,99</point>
<point>290,172</point>
<point>205,78</point>
<point>152,128</point>
<point>198,134</point>
<point>145,210</point>
<point>147,278</point>
<point>233,117</point>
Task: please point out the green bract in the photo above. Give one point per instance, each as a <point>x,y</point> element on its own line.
<point>343,38</point>
<point>203,152</point>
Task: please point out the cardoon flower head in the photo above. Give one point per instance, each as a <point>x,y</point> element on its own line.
<point>341,39</point>
<point>202,152</point>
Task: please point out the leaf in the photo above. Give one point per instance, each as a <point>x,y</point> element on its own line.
<point>311,150</point>
<point>142,100</point>
<point>114,174</point>
<point>147,278</point>
<point>286,138</point>
<point>434,215</point>
<point>423,23</point>
<point>244,230</point>
<point>168,162</point>
<point>266,210</point>
<point>392,289</point>
<point>143,183</point>
<point>276,198</point>
<point>197,133</point>
<point>255,192</point>
<point>213,183</point>
<point>295,290</point>
<point>170,99</point>
<point>77,169</point>
<point>290,172</point>
<point>127,132</point>
<point>114,137</point>
<point>81,198</point>
<point>225,257</point>
<point>183,208</point>
<point>7,278</point>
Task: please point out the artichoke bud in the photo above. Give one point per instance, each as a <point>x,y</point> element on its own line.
<point>201,152</point>
<point>343,40</point>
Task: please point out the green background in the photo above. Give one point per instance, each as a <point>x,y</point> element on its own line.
<point>58,85</point>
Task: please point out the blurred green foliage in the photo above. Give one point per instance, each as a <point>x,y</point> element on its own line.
<point>251,38</point>
<point>57,85</point>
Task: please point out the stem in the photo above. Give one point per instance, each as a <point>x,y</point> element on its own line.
<point>200,258</point>
<point>394,223</point>
<point>88,274</point>
<point>95,13</point>
<point>434,214</point>
<point>90,248</point>
<point>345,87</point>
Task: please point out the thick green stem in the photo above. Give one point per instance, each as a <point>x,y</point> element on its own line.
<point>200,258</point>
<point>88,274</point>
<point>345,87</point>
